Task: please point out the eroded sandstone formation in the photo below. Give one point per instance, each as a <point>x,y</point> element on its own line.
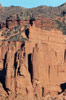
<point>33,53</point>
<point>33,69</point>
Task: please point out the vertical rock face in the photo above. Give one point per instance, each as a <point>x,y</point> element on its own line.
<point>29,70</point>
<point>16,77</point>
<point>9,79</point>
<point>40,55</point>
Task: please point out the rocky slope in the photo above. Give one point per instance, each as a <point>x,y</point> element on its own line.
<point>44,16</point>
<point>33,53</point>
<point>44,11</point>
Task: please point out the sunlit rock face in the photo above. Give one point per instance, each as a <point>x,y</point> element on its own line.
<point>33,68</point>
<point>32,59</point>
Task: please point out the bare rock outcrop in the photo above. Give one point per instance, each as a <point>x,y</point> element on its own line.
<point>32,59</point>
<point>32,69</point>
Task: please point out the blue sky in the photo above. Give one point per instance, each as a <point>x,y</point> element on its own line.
<point>32,3</point>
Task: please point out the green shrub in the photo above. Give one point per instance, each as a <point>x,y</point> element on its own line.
<point>8,34</point>
<point>17,38</point>
<point>3,34</point>
<point>61,26</point>
<point>17,27</point>
<point>16,32</point>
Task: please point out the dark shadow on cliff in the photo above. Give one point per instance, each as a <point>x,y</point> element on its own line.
<point>31,21</point>
<point>3,74</point>
<point>30,66</point>
<point>7,22</point>
<point>23,45</point>
<point>15,63</point>
<point>63,87</point>
<point>27,32</point>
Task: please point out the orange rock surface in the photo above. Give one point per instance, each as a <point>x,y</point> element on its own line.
<point>30,70</point>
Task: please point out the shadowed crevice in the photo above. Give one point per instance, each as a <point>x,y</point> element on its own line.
<point>42,91</point>
<point>63,87</point>
<point>65,56</point>
<point>23,45</point>
<point>31,21</point>
<point>15,63</point>
<point>30,66</point>
<point>3,74</point>
<point>27,32</point>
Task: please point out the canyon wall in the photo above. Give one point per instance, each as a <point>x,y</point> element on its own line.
<point>14,20</point>
<point>31,69</point>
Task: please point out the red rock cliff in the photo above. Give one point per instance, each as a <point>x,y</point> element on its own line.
<point>30,70</point>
